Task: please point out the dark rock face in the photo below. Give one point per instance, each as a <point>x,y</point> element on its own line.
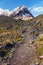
<point>2,53</point>
<point>9,45</point>
<point>20,12</point>
<point>23,12</point>
<point>7,49</point>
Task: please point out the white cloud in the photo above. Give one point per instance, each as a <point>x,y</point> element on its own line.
<point>36,9</point>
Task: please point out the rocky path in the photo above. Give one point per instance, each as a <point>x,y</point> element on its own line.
<point>25,54</point>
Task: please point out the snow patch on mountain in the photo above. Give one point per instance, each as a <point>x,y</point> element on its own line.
<point>4,12</point>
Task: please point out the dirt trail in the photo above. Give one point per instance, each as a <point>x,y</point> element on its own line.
<point>25,54</point>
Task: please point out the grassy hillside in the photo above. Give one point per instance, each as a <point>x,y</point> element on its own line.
<point>39,48</point>
<point>9,28</point>
<point>10,33</point>
<point>16,31</point>
<point>39,44</point>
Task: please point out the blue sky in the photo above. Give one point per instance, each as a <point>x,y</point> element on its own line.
<point>35,6</point>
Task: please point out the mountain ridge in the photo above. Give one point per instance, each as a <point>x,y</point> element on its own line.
<point>20,12</point>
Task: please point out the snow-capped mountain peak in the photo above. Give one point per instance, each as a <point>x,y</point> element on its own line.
<point>16,10</point>
<point>20,12</point>
<point>4,12</point>
<point>21,7</point>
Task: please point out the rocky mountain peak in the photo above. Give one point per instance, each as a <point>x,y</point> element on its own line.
<point>20,12</point>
